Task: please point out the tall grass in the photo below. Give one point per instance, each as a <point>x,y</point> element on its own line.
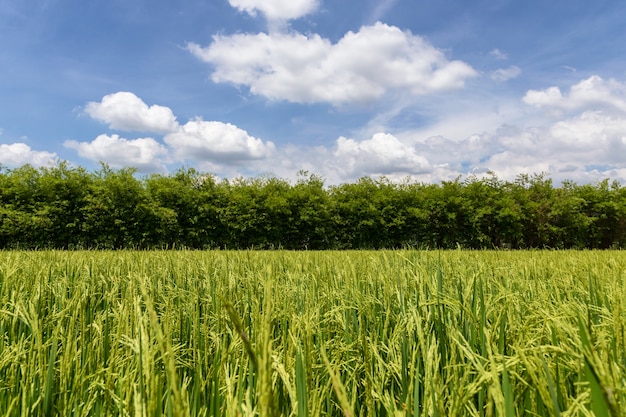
<point>312,333</point>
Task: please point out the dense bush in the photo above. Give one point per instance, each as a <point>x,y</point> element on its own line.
<point>67,207</point>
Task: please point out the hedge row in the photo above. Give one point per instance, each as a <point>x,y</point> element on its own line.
<point>69,207</point>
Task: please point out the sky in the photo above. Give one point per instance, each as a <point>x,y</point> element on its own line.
<point>407,89</point>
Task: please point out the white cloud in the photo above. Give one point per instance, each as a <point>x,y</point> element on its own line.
<point>224,143</point>
<point>360,67</point>
<point>499,55</point>
<point>505,74</point>
<point>347,160</point>
<point>126,111</point>
<point>381,9</point>
<point>276,9</point>
<point>584,147</point>
<point>592,92</point>
<point>550,97</point>
<point>381,155</point>
<point>18,154</point>
<point>145,154</point>
<point>213,145</point>
<point>594,137</point>
<point>587,147</point>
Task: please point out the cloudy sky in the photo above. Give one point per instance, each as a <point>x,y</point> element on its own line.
<point>342,88</point>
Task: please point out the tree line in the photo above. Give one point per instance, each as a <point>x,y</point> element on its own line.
<point>68,207</point>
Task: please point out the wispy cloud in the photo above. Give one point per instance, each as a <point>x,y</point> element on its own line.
<point>380,10</point>
<point>277,9</point>
<point>499,55</point>
<point>505,74</point>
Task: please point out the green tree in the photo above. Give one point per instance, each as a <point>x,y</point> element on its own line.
<point>188,200</point>
<point>256,212</point>
<point>603,206</point>
<point>355,216</point>
<point>308,224</point>
<point>23,225</point>
<point>118,213</point>
<point>64,194</point>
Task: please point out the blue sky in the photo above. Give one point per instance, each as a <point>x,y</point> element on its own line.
<point>344,89</point>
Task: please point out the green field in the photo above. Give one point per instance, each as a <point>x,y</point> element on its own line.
<point>429,333</point>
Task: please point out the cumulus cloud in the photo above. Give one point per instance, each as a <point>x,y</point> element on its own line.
<point>216,145</point>
<point>505,74</point>
<point>276,9</point>
<point>18,154</point>
<point>381,155</point>
<point>595,136</point>
<point>550,97</point>
<point>126,111</point>
<point>587,147</point>
<point>591,92</point>
<point>588,144</point>
<point>360,67</point>
<point>584,148</point>
<point>200,140</point>
<point>145,154</point>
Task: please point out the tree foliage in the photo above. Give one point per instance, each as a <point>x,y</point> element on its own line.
<point>68,207</point>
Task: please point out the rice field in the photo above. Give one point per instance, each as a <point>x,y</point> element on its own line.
<point>387,333</point>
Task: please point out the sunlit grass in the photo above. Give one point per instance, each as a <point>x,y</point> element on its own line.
<point>457,333</point>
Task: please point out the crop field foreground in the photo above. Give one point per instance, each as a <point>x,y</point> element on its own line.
<point>386,333</point>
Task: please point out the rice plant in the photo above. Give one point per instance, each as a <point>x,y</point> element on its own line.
<point>388,333</point>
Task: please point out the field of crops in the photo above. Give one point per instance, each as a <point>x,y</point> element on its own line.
<point>424,333</point>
